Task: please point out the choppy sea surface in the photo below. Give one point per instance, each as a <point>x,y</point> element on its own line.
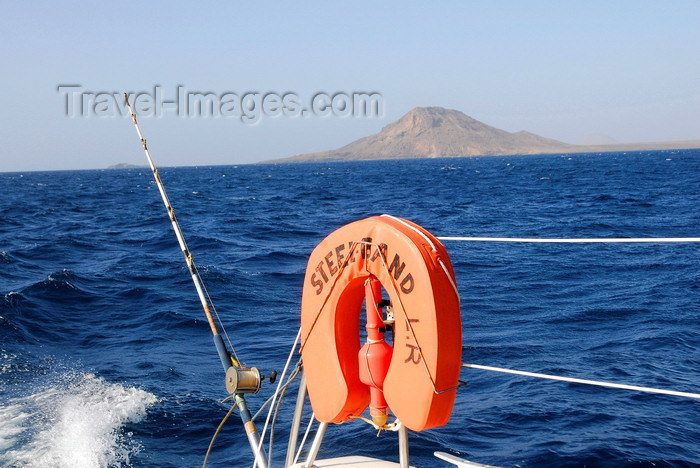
<point>106,358</point>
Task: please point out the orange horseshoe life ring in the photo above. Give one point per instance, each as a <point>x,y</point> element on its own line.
<point>415,271</point>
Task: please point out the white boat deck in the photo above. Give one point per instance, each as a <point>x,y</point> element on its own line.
<point>356,461</point>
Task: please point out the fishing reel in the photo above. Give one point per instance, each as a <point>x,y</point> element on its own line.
<point>246,380</point>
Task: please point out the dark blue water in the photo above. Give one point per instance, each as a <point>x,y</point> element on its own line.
<point>106,358</point>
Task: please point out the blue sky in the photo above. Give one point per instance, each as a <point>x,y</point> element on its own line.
<point>564,70</point>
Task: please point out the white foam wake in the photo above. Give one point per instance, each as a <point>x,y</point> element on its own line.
<point>77,423</point>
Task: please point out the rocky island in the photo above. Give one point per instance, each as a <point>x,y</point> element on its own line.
<point>436,132</point>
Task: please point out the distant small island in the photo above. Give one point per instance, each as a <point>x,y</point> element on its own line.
<point>126,166</point>
<point>436,132</point>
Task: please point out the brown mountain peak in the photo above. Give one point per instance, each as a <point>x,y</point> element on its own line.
<point>438,132</point>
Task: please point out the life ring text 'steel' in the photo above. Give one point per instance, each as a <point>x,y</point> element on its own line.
<point>415,271</point>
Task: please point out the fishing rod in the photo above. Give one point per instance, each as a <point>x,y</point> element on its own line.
<point>239,380</point>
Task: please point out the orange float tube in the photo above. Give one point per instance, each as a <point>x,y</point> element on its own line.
<point>415,271</point>
<point>374,357</point>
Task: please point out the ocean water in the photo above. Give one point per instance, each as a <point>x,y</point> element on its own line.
<point>106,358</point>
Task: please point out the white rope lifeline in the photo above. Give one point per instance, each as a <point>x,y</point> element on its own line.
<point>272,405</point>
<point>650,240</point>
<point>303,440</point>
<point>585,382</point>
